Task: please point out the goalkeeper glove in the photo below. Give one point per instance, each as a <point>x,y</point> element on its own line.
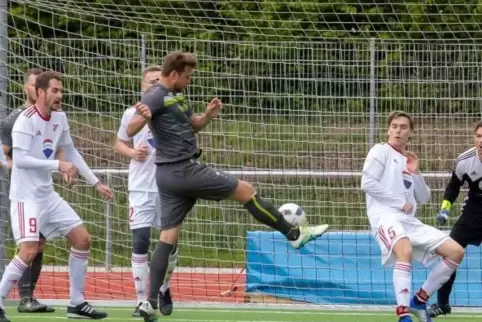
<point>443,214</point>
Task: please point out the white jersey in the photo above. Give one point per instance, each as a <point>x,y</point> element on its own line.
<point>142,174</point>
<point>42,138</point>
<point>389,185</point>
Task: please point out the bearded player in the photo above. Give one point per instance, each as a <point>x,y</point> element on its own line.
<point>27,283</point>
<point>35,207</point>
<point>144,203</point>
<point>394,185</point>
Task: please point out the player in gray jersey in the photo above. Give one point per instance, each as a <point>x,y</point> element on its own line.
<point>28,281</point>
<point>182,178</point>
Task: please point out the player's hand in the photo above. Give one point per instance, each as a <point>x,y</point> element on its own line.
<point>69,180</point>
<point>143,110</point>
<point>68,168</point>
<point>407,208</point>
<point>412,162</point>
<point>213,108</point>
<point>104,191</point>
<point>442,217</point>
<point>140,152</point>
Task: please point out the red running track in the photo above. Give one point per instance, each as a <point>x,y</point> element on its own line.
<point>205,287</point>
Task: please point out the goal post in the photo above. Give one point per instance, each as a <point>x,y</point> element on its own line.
<point>306,87</point>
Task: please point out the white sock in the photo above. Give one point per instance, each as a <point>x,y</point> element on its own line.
<point>140,271</point>
<point>164,287</point>
<point>170,269</point>
<point>402,282</point>
<point>12,274</point>
<point>78,261</point>
<point>438,276</point>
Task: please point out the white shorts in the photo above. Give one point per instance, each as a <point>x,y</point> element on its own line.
<point>425,239</point>
<point>144,210</point>
<point>53,218</point>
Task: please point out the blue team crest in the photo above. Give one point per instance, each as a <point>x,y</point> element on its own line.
<point>407,179</point>
<point>48,148</point>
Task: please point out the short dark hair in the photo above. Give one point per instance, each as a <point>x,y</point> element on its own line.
<point>30,72</point>
<point>396,114</point>
<point>43,80</point>
<point>178,61</point>
<point>150,69</point>
<point>477,126</point>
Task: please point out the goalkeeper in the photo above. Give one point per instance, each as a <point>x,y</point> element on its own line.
<point>468,228</point>
<point>182,179</point>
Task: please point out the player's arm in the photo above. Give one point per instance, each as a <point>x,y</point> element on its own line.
<point>421,191</point>
<point>6,139</point>
<point>71,154</point>
<point>200,121</point>
<point>372,173</point>
<point>122,141</point>
<point>22,144</point>
<point>451,192</point>
<point>151,103</point>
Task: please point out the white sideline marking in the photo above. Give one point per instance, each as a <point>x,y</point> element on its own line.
<point>43,317</point>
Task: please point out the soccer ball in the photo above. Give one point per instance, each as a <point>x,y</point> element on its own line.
<point>293,214</point>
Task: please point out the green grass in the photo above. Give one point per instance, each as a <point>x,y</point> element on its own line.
<point>243,315</point>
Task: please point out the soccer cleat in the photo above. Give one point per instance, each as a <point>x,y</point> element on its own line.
<point>308,233</point>
<point>31,305</point>
<point>420,311</point>
<point>84,311</point>
<point>137,313</point>
<point>165,302</point>
<point>436,310</point>
<point>405,318</point>
<point>149,311</point>
<point>3,318</point>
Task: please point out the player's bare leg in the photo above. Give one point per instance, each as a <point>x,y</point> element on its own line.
<point>159,265</point>
<point>78,261</point>
<point>452,254</point>
<point>402,277</point>
<point>27,283</point>
<point>18,265</point>
<point>266,213</point>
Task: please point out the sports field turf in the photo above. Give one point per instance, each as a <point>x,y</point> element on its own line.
<point>242,315</point>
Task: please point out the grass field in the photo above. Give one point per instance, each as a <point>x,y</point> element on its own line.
<point>243,315</point>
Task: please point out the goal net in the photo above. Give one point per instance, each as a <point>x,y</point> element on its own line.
<point>306,87</point>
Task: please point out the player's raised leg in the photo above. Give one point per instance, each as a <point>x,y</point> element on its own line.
<point>464,235</point>
<point>25,221</point>
<point>452,254</point>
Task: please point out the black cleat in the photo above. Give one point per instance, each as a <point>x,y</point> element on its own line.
<point>436,310</point>
<point>137,313</point>
<point>165,302</point>
<point>3,318</point>
<point>31,305</point>
<point>84,311</point>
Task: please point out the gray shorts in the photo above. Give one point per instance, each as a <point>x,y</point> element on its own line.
<point>181,184</point>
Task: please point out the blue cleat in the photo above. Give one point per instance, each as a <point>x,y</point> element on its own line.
<point>420,311</point>
<point>405,318</point>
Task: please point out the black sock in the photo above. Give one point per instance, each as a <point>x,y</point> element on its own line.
<point>159,263</point>
<point>36,268</point>
<point>23,285</point>
<point>265,212</point>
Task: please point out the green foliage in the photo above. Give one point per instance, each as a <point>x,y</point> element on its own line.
<point>260,56</point>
